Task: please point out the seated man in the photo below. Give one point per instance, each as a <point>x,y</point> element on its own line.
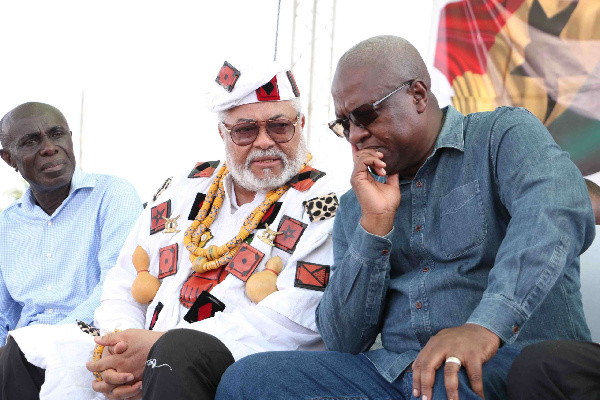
<point>62,236</point>
<point>457,242</point>
<point>558,369</point>
<point>250,238</point>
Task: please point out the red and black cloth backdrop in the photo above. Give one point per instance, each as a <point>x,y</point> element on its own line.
<point>540,54</point>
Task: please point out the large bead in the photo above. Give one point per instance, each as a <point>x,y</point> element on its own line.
<point>198,263</point>
<point>144,287</point>
<point>263,283</point>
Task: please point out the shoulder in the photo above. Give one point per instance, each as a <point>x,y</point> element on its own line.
<point>504,117</point>
<point>112,186</point>
<point>197,177</point>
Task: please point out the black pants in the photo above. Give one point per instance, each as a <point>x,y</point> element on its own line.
<point>557,369</point>
<point>19,380</point>
<point>185,364</point>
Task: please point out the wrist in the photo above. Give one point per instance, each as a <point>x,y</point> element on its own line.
<point>379,225</point>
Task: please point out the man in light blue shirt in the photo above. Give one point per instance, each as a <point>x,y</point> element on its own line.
<point>62,236</point>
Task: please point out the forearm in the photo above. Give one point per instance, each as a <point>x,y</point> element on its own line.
<point>349,313</point>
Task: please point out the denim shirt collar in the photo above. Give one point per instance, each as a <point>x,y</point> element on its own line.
<point>451,134</point>
<point>79,180</point>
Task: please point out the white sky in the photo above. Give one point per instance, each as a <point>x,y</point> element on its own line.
<point>144,67</point>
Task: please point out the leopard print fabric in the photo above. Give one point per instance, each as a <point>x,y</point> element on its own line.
<point>321,208</point>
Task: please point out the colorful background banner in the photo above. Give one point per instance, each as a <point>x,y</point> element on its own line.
<point>543,55</point>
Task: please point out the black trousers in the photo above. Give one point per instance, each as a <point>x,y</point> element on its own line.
<point>185,364</point>
<point>557,369</point>
<point>19,380</point>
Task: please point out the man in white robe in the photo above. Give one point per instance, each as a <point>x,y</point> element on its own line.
<point>260,122</point>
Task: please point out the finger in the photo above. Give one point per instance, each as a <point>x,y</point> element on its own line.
<point>427,380</point>
<point>416,369</point>
<point>110,339</point>
<point>451,370</point>
<point>102,387</point>
<point>112,377</point>
<point>474,371</point>
<point>394,180</point>
<point>370,160</point>
<point>127,391</point>
<point>119,348</point>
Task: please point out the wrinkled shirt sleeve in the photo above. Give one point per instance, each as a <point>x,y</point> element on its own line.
<point>551,222</point>
<point>120,209</point>
<point>350,312</point>
<point>10,312</point>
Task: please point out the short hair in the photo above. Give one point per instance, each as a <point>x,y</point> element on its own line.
<point>4,134</point>
<point>394,51</point>
<point>14,113</point>
<point>296,103</point>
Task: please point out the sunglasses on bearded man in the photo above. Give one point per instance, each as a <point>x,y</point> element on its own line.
<point>281,130</point>
<point>361,116</point>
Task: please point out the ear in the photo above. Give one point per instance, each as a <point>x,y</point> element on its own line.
<point>420,95</point>
<point>303,121</point>
<point>220,131</point>
<point>6,157</point>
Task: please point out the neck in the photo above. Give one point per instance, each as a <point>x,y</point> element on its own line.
<point>50,200</point>
<point>434,128</point>
<point>243,196</point>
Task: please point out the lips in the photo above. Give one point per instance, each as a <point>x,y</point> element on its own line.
<point>52,166</point>
<point>266,161</point>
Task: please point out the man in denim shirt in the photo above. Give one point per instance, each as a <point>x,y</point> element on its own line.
<point>459,243</point>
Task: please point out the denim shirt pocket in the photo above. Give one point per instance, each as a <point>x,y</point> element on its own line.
<point>462,225</point>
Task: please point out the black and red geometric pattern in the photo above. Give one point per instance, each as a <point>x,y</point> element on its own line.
<point>228,76</point>
<point>203,169</point>
<point>157,311</point>
<point>244,262</point>
<point>291,230</point>
<point>293,83</point>
<point>168,260</point>
<point>198,201</point>
<point>311,276</point>
<point>270,215</point>
<point>306,178</point>
<point>157,215</point>
<point>205,306</point>
<point>197,283</point>
<point>269,91</point>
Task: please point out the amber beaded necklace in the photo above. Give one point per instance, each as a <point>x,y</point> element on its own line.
<point>213,257</point>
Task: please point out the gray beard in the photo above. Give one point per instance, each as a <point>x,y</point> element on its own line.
<point>243,176</point>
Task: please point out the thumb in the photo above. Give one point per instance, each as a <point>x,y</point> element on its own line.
<point>393,180</point>
<point>119,348</point>
<point>110,339</point>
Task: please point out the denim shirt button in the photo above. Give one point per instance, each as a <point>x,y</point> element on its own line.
<point>384,252</point>
<point>418,228</point>
<point>425,269</point>
<point>418,305</point>
<point>419,184</point>
<point>515,329</point>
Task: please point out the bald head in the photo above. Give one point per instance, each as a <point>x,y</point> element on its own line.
<point>23,111</point>
<point>388,53</point>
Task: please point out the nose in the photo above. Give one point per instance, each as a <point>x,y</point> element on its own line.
<point>263,140</point>
<point>357,134</point>
<point>48,147</point>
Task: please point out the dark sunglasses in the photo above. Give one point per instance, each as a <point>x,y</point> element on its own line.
<point>280,130</point>
<point>361,116</point>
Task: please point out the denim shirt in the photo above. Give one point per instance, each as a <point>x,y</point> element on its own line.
<point>488,232</point>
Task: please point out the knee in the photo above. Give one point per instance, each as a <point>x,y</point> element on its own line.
<point>183,343</point>
<point>246,378</point>
<point>534,360</point>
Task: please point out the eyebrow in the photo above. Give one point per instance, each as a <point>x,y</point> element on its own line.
<point>31,135</point>
<point>254,120</point>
